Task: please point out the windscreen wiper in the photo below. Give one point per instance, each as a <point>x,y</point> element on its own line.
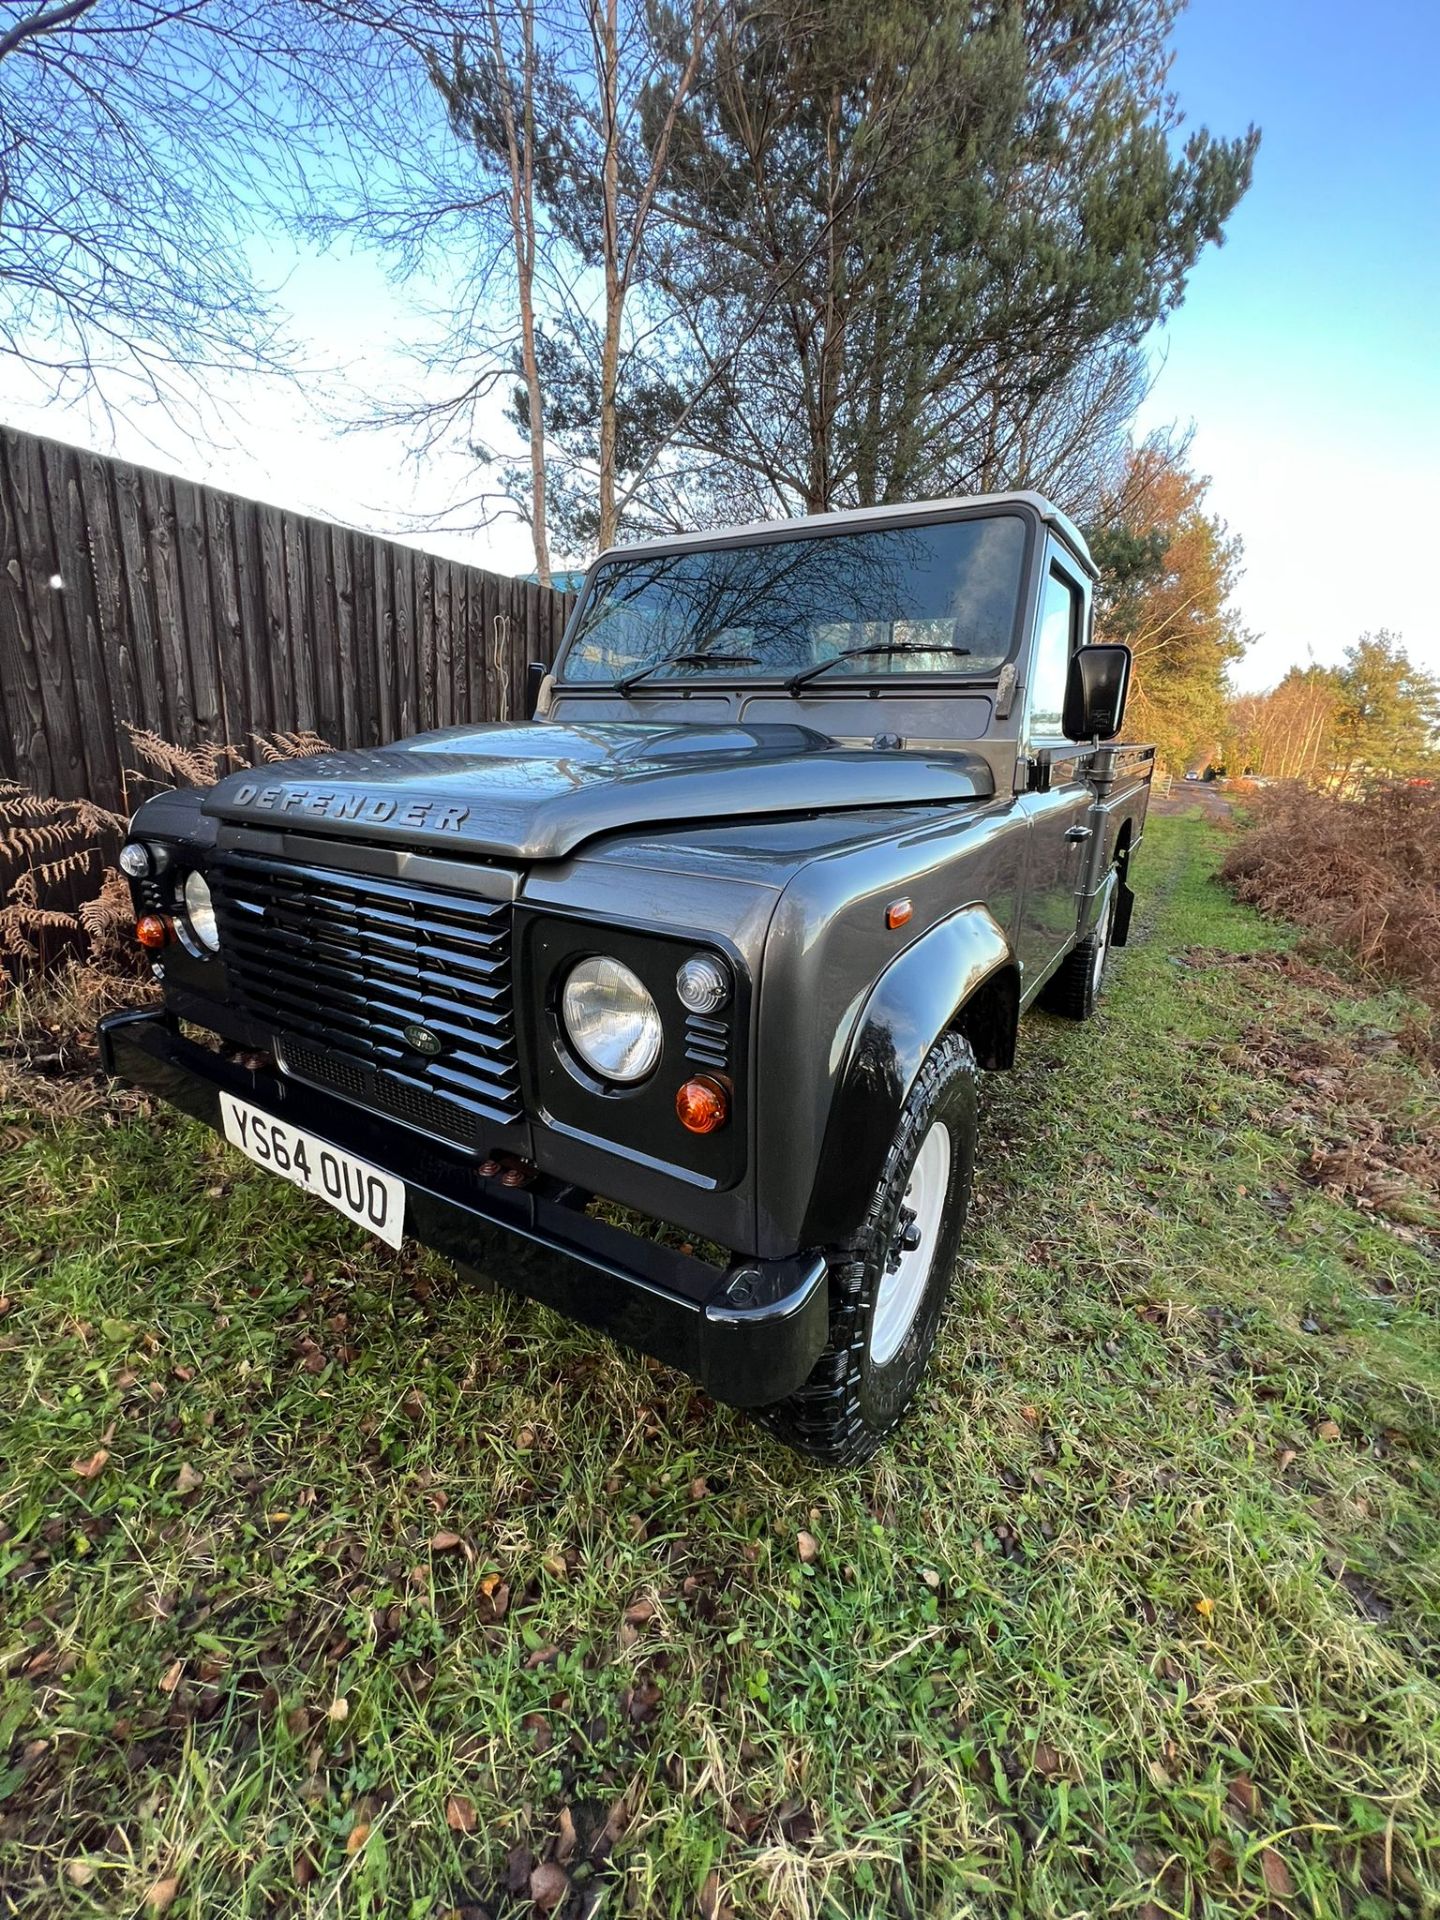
<point>798,680</point>
<point>687,657</point>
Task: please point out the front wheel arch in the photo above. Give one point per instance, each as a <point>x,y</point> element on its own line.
<point>959,977</point>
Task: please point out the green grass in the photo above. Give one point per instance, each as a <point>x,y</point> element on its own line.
<point>1139,1615</point>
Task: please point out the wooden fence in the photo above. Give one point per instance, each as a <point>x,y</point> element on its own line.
<point>129,596</point>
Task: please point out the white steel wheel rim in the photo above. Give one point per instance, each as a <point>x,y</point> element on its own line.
<point>902,1284</point>
<point>1102,942</point>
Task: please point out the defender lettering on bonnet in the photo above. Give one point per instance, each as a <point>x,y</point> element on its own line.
<point>333,803</point>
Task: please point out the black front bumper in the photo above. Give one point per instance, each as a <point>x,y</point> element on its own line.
<point>749,1334</point>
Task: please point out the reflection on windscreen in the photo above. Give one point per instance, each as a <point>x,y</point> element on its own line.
<point>944,596</point>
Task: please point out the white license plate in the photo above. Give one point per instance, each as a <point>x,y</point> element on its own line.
<point>353,1187</point>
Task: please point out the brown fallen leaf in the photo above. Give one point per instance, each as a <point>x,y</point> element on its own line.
<point>1242,1796</point>
<point>445,1542</point>
<point>1277,1875</point>
<point>357,1836</point>
<point>338,1710</point>
<point>162,1894</point>
<point>187,1480</point>
<point>92,1467</point>
<point>808,1547</point>
<point>711,1906</point>
<point>549,1884</point>
<point>79,1872</point>
<point>170,1679</point>
<point>1328,1430</point>
<point>494,1601</point>
<point>518,1863</point>
<point>538,1728</point>
<point>554,1563</point>
<point>460,1814</point>
<point>1047,1760</point>
<point>568,1839</point>
<point>639,1611</point>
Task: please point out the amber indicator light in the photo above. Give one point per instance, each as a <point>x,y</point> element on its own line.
<point>702,1105</point>
<point>151,930</point>
<point>897,913</point>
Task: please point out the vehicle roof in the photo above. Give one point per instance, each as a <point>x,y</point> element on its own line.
<point>855,517</point>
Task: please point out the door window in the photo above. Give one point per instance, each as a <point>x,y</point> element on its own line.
<point>1054,643</point>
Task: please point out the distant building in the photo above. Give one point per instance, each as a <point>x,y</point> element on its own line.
<point>563,579</point>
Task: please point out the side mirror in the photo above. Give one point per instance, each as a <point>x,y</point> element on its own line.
<point>1095,692</point>
<point>534,679</point>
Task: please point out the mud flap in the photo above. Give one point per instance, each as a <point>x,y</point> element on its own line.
<point>1124,907</point>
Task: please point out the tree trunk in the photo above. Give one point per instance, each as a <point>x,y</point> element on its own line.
<point>520,149</point>
<point>614,284</point>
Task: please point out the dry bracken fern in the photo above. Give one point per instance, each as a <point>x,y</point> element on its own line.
<point>52,852</point>
<point>170,765</point>
<point>289,746</point>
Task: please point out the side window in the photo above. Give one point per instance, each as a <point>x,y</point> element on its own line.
<point>1060,610</point>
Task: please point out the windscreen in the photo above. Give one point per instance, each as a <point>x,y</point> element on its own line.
<point>940,598</point>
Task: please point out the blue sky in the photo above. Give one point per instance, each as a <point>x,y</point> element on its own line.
<point>1306,356</point>
<point>1307,353</point>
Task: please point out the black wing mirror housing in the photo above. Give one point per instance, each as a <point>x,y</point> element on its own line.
<point>1095,691</point>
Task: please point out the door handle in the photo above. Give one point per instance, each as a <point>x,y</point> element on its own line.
<point>1078,833</point>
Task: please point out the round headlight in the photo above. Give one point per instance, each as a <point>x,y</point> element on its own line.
<point>135,859</point>
<point>703,983</point>
<point>200,912</point>
<point>612,1022</point>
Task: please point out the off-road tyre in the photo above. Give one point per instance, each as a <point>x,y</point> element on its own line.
<point>1073,990</point>
<point>851,1404</point>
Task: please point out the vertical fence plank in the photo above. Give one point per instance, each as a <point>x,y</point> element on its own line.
<point>428,691</point>
<point>192,553</point>
<point>274,647</point>
<point>245,518</point>
<point>227,615</point>
<point>158,502</point>
<point>102,528</point>
<point>446,710</point>
<point>90,679</point>
<point>363,562</point>
<point>25,699</point>
<point>41,564</point>
<point>301,631</point>
<point>346,661</point>
<point>152,706</point>
<point>322,637</point>
<point>387,684</point>
<point>403,575</point>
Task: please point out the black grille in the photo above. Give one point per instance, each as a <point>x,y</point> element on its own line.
<point>339,964</point>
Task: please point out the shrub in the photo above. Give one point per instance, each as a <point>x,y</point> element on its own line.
<point>61,896</point>
<point>1363,873</point>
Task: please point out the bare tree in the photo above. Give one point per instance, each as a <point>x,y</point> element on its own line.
<point>145,143</point>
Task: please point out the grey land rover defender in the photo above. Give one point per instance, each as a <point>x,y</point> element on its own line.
<point>807,815</point>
